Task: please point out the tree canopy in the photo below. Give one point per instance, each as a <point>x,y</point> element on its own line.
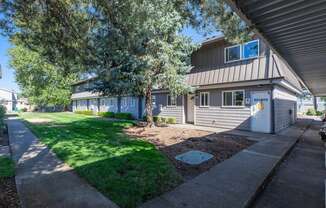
<point>40,81</point>
<point>133,46</point>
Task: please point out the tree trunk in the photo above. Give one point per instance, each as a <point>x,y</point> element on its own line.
<point>315,103</point>
<point>149,107</point>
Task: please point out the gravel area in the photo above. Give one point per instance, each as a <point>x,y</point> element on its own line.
<point>174,141</point>
<point>8,193</point>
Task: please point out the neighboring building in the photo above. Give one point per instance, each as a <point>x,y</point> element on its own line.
<point>305,103</point>
<point>242,86</point>
<point>8,98</point>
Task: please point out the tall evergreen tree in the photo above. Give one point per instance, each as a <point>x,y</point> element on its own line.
<point>133,45</point>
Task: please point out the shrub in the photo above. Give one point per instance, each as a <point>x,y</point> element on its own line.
<point>2,111</point>
<point>172,120</point>
<point>85,112</point>
<point>7,167</point>
<point>2,115</point>
<point>168,120</point>
<point>319,113</point>
<point>155,118</point>
<point>311,112</point>
<point>106,114</point>
<point>126,116</point>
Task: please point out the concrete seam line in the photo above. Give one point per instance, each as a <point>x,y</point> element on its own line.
<point>262,154</point>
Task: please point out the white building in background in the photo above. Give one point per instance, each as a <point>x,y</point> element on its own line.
<point>9,99</point>
<point>304,103</point>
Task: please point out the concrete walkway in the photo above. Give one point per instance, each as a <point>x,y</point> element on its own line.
<point>45,181</point>
<point>299,181</point>
<point>236,181</point>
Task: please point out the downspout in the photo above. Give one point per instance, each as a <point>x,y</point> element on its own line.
<point>267,71</point>
<point>98,105</point>
<point>119,104</point>
<point>272,111</point>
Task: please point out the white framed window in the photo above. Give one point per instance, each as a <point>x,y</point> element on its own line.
<point>234,98</point>
<point>250,49</point>
<point>232,53</point>
<point>204,99</point>
<point>239,52</point>
<point>171,100</point>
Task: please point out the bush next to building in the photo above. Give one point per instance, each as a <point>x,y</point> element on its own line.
<point>126,116</point>
<point>85,112</point>
<point>2,116</point>
<point>164,120</point>
<point>106,114</point>
<point>313,112</point>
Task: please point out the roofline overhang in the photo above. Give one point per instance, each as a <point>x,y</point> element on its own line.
<point>234,7</point>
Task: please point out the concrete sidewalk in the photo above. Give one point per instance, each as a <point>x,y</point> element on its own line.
<point>236,181</point>
<point>45,181</point>
<point>299,181</point>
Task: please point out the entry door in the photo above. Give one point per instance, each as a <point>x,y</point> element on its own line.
<point>190,108</point>
<point>261,111</point>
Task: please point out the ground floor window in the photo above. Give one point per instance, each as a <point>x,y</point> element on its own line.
<point>172,100</point>
<point>204,99</point>
<point>233,98</point>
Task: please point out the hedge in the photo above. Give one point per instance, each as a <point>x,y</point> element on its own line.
<point>106,114</point>
<point>85,112</point>
<point>168,120</point>
<point>126,116</point>
<point>312,112</point>
<point>2,116</point>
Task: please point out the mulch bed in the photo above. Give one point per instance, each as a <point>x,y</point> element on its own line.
<point>175,141</point>
<point>221,146</point>
<point>8,193</point>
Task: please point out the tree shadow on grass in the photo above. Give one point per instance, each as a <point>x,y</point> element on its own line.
<point>127,170</point>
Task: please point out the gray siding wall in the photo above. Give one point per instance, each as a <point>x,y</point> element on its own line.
<point>160,107</point>
<point>225,117</point>
<point>211,56</point>
<point>284,103</point>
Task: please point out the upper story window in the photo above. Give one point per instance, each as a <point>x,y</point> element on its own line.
<point>233,98</point>
<point>241,52</point>
<point>204,99</point>
<point>172,100</point>
<point>250,49</point>
<point>232,53</point>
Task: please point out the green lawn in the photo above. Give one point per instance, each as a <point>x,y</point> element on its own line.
<point>7,168</point>
<point>128,170</point>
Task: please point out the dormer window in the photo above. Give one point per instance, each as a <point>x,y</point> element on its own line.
<point>244,51</point>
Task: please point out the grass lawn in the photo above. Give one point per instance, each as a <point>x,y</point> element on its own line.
<point>128,170</point>
<point>7,168</point>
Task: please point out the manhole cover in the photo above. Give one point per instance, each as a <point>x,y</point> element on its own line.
<point>194,157</point>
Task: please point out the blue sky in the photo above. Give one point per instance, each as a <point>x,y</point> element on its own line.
<point>8,75</point>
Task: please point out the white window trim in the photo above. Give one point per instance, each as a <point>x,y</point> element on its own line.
<point>241,51</point>
<point>234,106</point>
<point>208,100</point>
<point>167,101</point>
<point>233,46</point>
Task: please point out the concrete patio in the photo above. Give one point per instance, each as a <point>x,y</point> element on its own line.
<point>236,181</point>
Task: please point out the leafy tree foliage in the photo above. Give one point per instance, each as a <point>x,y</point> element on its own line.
<point>40,81</point>
<point>133,45</point>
